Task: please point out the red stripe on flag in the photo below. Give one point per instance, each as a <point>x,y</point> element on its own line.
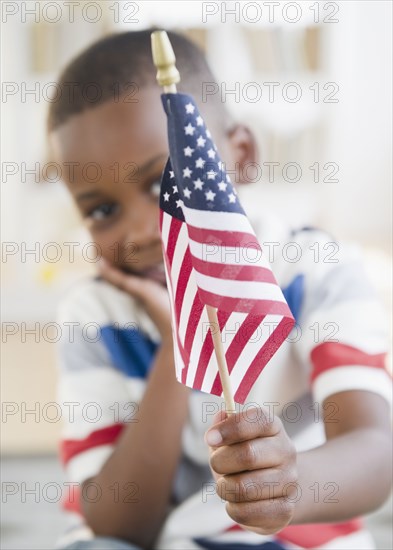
<point>183,353</point>
<point>105,436</point>
<point>245,305</point>
<point>334,354</point>
<point>223,238</point>
<point>207,349</point>
<point>182,282</point>
<point>195,315</point>
<point>174,231</point>
<point>234,272</point>
<point>263,357</point>
<point>239,341</point>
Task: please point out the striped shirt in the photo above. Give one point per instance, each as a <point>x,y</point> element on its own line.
<point>339,343</point>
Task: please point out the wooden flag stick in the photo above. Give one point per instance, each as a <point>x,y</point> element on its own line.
<point>221,360</point>
<point>167,76</point>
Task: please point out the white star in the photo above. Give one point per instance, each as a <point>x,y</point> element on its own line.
<point>201,141</point>
<point>179,204</point>
<point>199,121</point>
<point>211,153</point>
<point>187,172</point>
<point>232,198</point>
<point>222,185</point>
<point>189,129</point>
<point>198,184</point>
<point>187,192</point>
<point>174,187</point>
<point>220,165</point>
<point>166,197</point>
<point>199,163</point>
<point>210,195</point>
<point>211,175</point>
<point>171,174</point>
<point>190,108</point>
<point>188,151</point>
<point>208,134</point>
<point>228,178</point>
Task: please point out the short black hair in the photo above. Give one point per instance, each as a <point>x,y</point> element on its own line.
<point>111,64</point>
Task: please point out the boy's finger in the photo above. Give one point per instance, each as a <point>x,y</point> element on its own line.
<point>250,424</point>
<point>262,484</point>
<point>268,515</point>
<point>249,455</point>
<point>128,283</point>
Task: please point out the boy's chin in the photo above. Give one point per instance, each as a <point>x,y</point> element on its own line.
<point>155,273</point>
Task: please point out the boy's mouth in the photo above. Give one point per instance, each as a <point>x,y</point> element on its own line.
<point>156,273</point>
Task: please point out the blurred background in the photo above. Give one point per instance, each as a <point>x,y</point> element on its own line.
<point>312,79</point>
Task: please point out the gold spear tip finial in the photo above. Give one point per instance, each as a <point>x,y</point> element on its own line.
<point>164,59</point>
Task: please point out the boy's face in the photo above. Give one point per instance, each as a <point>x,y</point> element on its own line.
<point>117,152</point>
<point>114,155</point>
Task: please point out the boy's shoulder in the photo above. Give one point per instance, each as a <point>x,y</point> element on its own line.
<point>89,299</point>
<point>94,300</point>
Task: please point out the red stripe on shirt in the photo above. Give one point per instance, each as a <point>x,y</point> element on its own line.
<point>72,500</point>
<point>334,354</point>
<point>313,535</point>
<point>105,436</point>
<point>316,534</point>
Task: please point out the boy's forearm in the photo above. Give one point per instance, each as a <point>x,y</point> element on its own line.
<point>346,477</point>
<point>147,455</point>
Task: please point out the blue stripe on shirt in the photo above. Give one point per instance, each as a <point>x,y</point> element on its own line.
<point>293,294</point>
<point>214,545</point>
<point>132,351</point>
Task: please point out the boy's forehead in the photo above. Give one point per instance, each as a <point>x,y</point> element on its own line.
<point>116,130</point>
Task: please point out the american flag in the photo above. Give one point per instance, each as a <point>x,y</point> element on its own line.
<point>212,257</point>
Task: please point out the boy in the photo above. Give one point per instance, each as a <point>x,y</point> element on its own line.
<point>281,467</point>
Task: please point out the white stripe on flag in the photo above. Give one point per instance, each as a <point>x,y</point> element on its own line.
<point>253,290</point>
<point>254,345</point>
<point>188,299</point>
<point>166,224</point>
<point>242,255</point>
<point>232,325</point>
<point>176,352</point>
<point>178,256</point>
<point>222,221</point>
<point>197,343</point>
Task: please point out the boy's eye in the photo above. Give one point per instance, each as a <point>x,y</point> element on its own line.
<point>103,211</point>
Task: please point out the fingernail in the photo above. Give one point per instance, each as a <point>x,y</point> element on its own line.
<point>213,438</point>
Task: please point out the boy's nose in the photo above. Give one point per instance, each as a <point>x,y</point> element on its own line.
<point>143,227</point>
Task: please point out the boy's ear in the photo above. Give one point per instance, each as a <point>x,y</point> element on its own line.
<point>244,152</point>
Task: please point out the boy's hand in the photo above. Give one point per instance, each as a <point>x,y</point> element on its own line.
<point>254,464</point>
<point>153,296</point>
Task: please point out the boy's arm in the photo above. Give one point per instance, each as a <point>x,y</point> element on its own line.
<point>148,451</point>
<point>354,465</point>
<point>267,486</point>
